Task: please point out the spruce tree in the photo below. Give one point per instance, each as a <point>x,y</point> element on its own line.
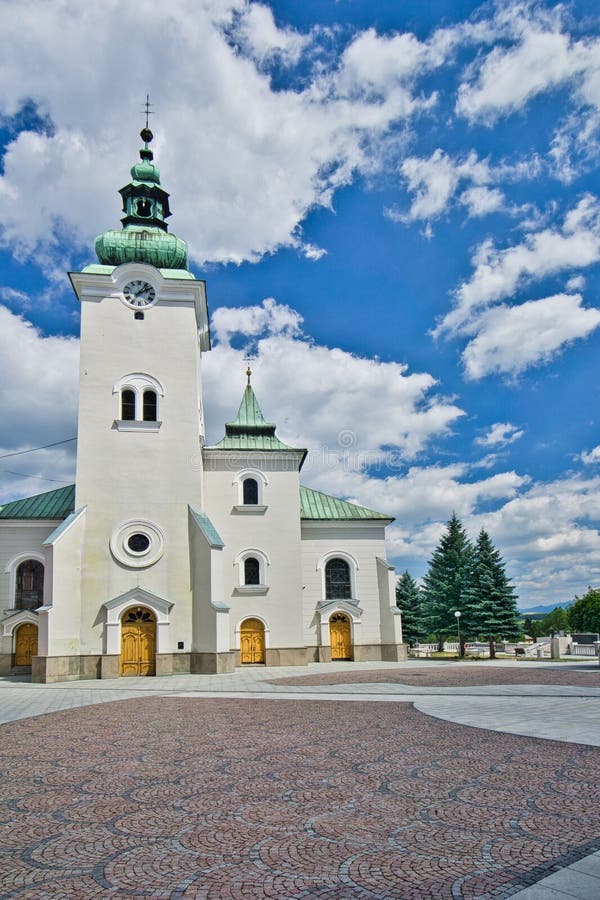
<point>446,580</point>
<point>491,603</point>
<point>408,600</point>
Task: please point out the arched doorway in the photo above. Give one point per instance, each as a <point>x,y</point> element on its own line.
<point>340,636</point>
<point>138,642</point>
<point>26,643</point>
<point>252,641</point>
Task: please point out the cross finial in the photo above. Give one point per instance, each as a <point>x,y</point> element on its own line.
<point>147,110</point>
<point>248,359</point>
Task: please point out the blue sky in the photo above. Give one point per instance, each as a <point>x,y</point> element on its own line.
<point>396,208</point>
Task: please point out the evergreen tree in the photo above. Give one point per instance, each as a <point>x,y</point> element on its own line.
<point>491,603</point>
<point>446,580</point>
<point>408,600</point>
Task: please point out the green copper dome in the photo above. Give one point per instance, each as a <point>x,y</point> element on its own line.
<point>144,236</point>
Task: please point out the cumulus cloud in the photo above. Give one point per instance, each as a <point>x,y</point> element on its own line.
<point>262,39</point>
<point>538,56</point>
<point>591,457</point>
<point>38,395</point>
<point>255,159</point>
<point>509,339</point>
<point>324,395</point>
<point>500,435</point>
<point>436,181</point>
<point>499,273</point>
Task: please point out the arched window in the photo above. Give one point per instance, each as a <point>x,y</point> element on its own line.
<point>149,410</point>
<point>29,588</point>
<point>127,405</point>
<point>251,571</point>
<point>337,580</point>
<point>250,491</point>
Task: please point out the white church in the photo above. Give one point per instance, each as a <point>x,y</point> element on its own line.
<point>169,555</point>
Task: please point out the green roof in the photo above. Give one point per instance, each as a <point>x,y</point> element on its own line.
<point>56,504</point>
<point>250,430</point>
<point>316,505</point>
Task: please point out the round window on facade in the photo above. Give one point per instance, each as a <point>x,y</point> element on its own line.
<point>137,544</point>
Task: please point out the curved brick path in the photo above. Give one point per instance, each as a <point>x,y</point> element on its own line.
<point>230,798</point>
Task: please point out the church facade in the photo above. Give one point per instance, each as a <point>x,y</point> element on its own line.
<point>169,555</point>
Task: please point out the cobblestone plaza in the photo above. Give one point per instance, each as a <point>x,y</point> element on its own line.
<point>355,783</point>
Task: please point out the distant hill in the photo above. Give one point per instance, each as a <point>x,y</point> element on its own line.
<point>545,610</point>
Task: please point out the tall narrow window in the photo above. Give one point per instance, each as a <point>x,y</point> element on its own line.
<point>149,406</point>
<point>250,491</point>
<point>127,405</point>
<point>337,580</point>
<point>251,571</point>
<point>29,593</point>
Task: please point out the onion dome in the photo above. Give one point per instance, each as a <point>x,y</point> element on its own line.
<point>144,236</point>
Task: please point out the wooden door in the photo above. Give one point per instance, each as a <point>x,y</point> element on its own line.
<point>26,644</point>
<point>340,635</point>
<point>138,643</point>
<point>252,641</point>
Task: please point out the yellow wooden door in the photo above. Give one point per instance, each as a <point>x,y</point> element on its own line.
<point>138,643</point>
<point>340,636</point>
<point>252,641</point>
<point>26,644</point>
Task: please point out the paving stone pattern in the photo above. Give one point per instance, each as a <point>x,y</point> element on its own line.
<point>225,798</point>
<point>458,675</point>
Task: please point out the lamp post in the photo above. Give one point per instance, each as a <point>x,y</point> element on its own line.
<point>457,614</point>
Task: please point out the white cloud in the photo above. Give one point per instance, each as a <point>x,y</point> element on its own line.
<point>509,339</point>
<point>576,283</point>
<point>480,201</point>
<point>351,411</point>
<point>536,56</point>
<point>499,273</point>
<point>270,318</point>
<point>500,434</point>
<point>38,396</point>
<point>245,161</point>
<point>591,456</point>
<point>435,181</point>
<point>261,38</point>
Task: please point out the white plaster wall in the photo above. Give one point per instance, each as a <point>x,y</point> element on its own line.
<point>63,592</point>
<point>363,542</point>
<point>276,533</point>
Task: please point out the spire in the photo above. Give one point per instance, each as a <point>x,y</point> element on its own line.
<point>249,419</point>
<point>250,430</point>
<point>144,236</point>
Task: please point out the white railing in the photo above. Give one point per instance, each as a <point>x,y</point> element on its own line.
<point>584,649</point>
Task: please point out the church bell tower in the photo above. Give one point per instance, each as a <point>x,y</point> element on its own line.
<point>144,326</point>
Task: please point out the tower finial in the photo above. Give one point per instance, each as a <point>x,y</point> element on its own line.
<point>145,134</point>
<point>248,374</point>
<point>147,109</point>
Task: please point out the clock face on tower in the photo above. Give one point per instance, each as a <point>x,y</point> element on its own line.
<point>139,293</point>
